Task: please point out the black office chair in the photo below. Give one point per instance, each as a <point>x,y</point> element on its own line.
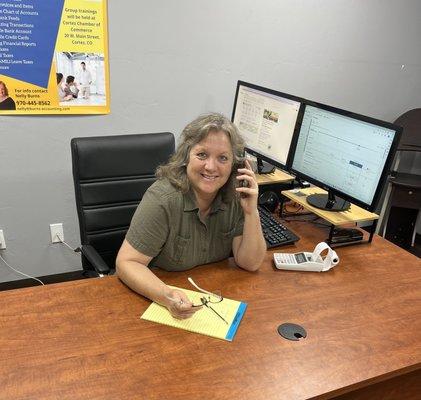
<point>411,134</point>
<point>111,175</point>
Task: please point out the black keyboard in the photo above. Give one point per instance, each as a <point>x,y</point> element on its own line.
<point>274,232</point>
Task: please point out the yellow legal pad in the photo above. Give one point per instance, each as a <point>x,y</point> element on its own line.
<point>204,321</point>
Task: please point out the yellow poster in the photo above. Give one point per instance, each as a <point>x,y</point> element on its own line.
<point>54,57</point>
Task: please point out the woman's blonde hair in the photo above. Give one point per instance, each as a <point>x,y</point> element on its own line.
<point>193,133</point>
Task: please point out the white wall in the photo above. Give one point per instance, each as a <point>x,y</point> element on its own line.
<point>172,60</point>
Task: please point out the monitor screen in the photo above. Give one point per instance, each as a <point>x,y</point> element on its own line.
<point>345,153</point>
<point>266,119</point>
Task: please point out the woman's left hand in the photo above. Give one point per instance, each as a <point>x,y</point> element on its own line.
<point>249,193</point>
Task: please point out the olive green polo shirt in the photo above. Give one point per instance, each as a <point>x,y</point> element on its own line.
<point>167,227</point>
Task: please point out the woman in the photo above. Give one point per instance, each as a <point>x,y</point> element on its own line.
<point>6,102</point>
<point>195,213</point>
<point>70,87</point>
<point>61,93</point>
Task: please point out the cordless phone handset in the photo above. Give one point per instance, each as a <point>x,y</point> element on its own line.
<point>242,164</point>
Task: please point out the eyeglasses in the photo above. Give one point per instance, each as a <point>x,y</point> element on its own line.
<point>210,298</point>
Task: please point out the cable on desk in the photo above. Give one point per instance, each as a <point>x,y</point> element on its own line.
<point>296,211</point>
<point>21,273</point>
<point>293,211</point>
<point>312,221</point>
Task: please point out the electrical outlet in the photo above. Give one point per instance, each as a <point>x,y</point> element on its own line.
<point>56,229</point>
<point>2,240</point>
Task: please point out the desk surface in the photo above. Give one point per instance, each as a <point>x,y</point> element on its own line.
<point>363,320</point>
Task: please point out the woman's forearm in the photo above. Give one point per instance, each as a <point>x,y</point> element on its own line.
<point>252,249</point>
<point>142,280</point>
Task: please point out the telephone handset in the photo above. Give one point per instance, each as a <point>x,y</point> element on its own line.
<point>242,164</point>
<point>306,261</point>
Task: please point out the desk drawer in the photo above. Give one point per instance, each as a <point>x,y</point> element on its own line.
<point>406,197</point>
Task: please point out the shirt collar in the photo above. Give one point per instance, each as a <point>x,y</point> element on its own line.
<point>190,202</point>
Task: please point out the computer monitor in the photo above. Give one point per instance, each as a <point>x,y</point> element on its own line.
<point>266,119</point>
<point>347,154</point>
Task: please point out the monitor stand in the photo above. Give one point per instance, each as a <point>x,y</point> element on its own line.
<point>328,202</point>
<point>263,167</point>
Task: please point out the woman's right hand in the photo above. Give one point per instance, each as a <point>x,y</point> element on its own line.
<point>179,305</point>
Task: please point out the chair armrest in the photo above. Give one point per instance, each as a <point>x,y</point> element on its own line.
<point>95,259</point>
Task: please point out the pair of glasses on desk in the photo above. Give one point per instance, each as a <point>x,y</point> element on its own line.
<point>208,299</point>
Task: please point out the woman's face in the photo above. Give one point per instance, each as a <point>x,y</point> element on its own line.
<point>210,164</point>
<point>2,90</point>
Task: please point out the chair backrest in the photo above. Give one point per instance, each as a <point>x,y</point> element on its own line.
<point>111,175</point>
<point>411,134</point>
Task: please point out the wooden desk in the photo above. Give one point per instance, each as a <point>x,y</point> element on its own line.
<point>84,339</point>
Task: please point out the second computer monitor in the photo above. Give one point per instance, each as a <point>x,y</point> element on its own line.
<point>345,153</point>
<point>266,120</point>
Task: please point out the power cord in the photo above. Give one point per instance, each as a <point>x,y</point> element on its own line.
<point>311,220</point>
<point>21,273</point>
<point>85,252</point>
<point>76,250</point>
<point>61,241</point>
<point>295,211</point>
<point>296,208</point>
<point>291,215</point>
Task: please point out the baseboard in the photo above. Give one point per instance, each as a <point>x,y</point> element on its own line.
<point>48,279</point>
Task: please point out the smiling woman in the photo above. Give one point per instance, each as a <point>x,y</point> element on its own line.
<point>6,102</point>
<point>209,168</point>
<point>193,134</point>
<point>191,215</point>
